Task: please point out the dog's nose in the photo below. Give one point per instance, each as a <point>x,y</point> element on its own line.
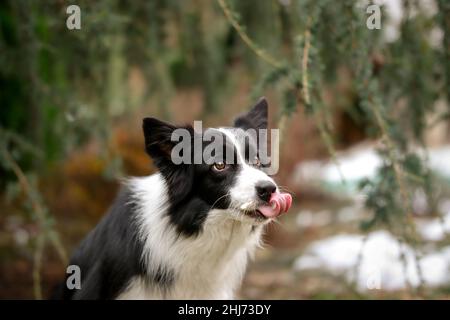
<point>265,190</point>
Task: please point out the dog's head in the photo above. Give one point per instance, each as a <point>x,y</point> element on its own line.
<point>216,170</point>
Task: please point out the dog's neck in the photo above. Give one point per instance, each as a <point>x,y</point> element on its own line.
<point>209,264</point>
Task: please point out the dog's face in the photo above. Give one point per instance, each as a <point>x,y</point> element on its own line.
<point>230,181</point>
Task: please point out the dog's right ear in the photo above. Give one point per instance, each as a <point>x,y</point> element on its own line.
<point>157,136</point>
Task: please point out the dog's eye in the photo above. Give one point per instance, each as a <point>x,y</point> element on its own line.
<point>219,166</point>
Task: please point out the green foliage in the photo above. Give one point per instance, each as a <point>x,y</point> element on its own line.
<point>60,88</point>
<point>395,86</point>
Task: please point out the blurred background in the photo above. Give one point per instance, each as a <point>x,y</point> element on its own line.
<point>363,112</point>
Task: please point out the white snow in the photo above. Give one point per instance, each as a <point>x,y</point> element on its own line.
<point>355,164</point>
<point>390,24</point>
<point>381,266</point>
<point>440,159</point>
<point>358,163</point>
<point>434,229</point>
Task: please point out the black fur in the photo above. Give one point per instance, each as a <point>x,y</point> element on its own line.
<point>193,188</point>
<point>110,256</point>
<point>256,118</point>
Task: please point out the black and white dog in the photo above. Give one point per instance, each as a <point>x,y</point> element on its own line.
<point>185,232</point>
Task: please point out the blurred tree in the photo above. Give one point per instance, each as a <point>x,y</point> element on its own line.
<point>59,88</point>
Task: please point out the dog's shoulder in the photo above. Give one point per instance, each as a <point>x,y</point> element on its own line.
<point>111,253</point>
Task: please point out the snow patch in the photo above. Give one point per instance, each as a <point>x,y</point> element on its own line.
<point>357,164</point>
<point>435,229</point>
<point>380,261</point>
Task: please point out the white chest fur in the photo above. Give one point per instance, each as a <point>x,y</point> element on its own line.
<point>208,266</point>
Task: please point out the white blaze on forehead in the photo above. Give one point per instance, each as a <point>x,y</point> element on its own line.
<point>238,137</point>
<point>230,135</point>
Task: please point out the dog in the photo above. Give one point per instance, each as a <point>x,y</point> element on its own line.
<point>187,231</point>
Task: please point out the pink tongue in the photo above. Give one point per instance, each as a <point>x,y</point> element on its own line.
<point>279,203</point>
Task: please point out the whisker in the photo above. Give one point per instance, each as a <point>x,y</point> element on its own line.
<point>225,195</point>
<point>285,189</point>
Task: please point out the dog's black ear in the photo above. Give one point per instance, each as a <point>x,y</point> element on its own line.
<point>157,136</point>
<point>256,118</point>
<point>159,145</point>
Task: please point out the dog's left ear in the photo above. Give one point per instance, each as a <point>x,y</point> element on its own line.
<point>256,118</point>
<point>159,145</point>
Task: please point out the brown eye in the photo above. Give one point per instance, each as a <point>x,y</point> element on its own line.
<point>257,162</point>
<point>219,166</point>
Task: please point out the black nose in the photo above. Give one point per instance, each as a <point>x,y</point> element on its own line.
<point>265,190</point>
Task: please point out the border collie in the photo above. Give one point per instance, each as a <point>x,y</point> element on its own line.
<point>187,231</point>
